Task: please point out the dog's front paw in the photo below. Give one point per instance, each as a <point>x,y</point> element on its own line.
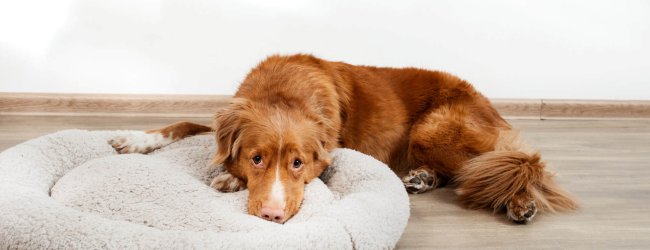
<point>419,180</point>
<point>139,142</point>
<point>521,209</point>
<point>227,183</point>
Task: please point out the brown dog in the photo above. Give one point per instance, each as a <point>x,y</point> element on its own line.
<point>290,111</point>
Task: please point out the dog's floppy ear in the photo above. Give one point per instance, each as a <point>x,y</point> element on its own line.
<point>322,160</point>
<point>227,129</point>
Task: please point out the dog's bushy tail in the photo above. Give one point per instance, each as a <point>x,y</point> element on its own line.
<point>491,179</point>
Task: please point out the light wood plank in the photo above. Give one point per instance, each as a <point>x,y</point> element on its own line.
<point>206,105</point>
<point>518,108</point>
<point>110,104</point>
<point>594,109</point>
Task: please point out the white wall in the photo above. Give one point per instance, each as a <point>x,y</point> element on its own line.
<point>598,49</point>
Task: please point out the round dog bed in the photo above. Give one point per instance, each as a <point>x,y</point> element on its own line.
<point>71,189</point>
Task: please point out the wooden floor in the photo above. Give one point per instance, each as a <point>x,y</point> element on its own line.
<point>605,164</point>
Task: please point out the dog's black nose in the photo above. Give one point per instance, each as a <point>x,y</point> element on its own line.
<point>528,214</point>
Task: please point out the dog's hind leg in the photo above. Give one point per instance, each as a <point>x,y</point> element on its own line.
<point>511,177</point>
<point>147,141</point>
<point>439,143</point>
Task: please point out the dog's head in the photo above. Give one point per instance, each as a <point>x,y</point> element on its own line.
<point>274,150</point>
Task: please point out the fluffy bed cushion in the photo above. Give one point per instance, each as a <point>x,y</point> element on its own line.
<point>70,189</point>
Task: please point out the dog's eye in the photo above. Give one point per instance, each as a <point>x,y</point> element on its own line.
<point>257,160</point>
<point>297,163</point>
